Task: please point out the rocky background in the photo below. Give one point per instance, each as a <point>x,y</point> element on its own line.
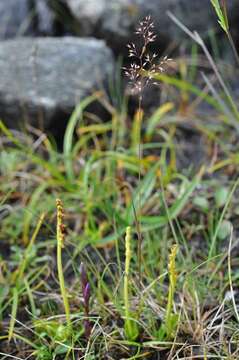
<point>53,53</point>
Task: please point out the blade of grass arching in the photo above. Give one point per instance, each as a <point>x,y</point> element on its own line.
<point>125,160</point>
<point>145,189</point>
<point>81,144</point>
<point>52,169</point>
<point>150,223</point>
<point>21,338</point>
<point>228,96</point>
<point>153,222</point>
<point>5,197</point>
<point>95,128</point>
<point>186,86</point>
<point>32,276</point>
<point>154,119</point>
<point>216,94</point>
<point>224,106</point>
<point>196,37</point>
<point>68,137</point>
<point>9,135</point>
<point>110,238</point>
<point>57,177</point>
<point>22,267</point>
<point>179,204</point>
<point>36,195</point>
<point>13,313</point>
<point>214,238</point>
<point>128,161</point>
<point>30,297</point>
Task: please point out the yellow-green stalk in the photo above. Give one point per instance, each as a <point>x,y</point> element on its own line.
<point>169,318</point>
<point>60,244</point>
<point>126,272</point>
<point>131,328</point>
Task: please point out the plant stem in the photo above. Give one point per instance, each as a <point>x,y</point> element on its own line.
<point>131,327</point>
<point>126,274</point>
<point>233,47</point>
<point>60,245</point>
<point>138,218</point>
<point>172,286</point>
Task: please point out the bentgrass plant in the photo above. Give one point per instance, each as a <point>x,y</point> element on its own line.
<point>142,61</point>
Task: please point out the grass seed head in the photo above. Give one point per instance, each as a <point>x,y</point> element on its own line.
<point>145,65</point>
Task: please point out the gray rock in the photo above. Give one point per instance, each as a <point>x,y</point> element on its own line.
<point>44,78</point>
<point>115,20</point>
<point>15,18</point>
<point>25,17</point>
<point>44,17</point>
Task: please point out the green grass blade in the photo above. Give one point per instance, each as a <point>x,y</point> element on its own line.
<point>13,313</point>
<point>68,137</point>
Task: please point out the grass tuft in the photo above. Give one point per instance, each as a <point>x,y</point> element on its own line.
<point>167,288</point>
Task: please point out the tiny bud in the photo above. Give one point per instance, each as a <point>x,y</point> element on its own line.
<point>83,276</point>
<point>86,293</point>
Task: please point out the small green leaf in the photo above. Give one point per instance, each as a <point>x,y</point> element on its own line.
<point>201,202</point>
<point>60,349</point>
<point>62,333</point>
<point>221,196</point>
<point>224,229</point>
<point>161,333</point>
<point>131,329</point>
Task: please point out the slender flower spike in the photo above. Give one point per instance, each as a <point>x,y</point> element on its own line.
<point>60,225</point>
<point>172,266</point>
<point>60,244</point>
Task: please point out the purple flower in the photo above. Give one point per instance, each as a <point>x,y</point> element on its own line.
<point>83,276</point>
<point>86,298</point>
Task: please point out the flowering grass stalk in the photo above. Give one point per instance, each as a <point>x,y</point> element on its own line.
<point>60,244</point>
<point>140,73</point>
<point>171,319</point>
